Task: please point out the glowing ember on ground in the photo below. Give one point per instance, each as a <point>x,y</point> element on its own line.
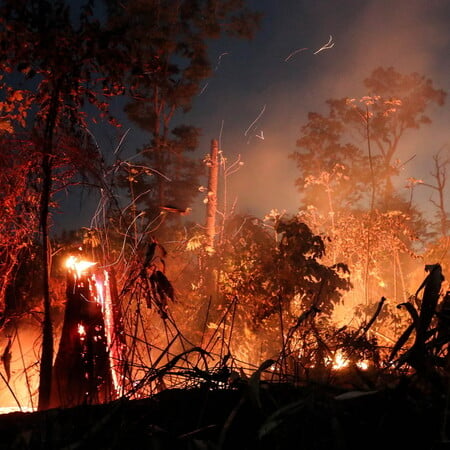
<point>339,361</point>
<point>11,409</point>
<point>363,365</point>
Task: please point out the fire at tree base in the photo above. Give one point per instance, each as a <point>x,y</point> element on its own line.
<point>82,373</point>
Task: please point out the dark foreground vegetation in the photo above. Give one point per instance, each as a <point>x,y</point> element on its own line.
<point>238,288</point>
<point>253,415</point>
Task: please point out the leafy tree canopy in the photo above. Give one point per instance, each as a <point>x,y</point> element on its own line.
<point>354,147</point>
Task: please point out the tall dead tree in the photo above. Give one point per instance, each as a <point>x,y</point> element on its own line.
<point>440,176</point>
<point>211,206</point>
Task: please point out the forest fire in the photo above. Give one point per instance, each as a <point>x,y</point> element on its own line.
<point>88,366</point>
<point>89,355</point>
<point>160,286</point>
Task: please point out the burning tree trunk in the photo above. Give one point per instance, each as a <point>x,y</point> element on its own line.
<point>82,372</point>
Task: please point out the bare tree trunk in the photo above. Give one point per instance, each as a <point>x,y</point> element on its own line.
<point>440,176</point>
<point>372,206</point>
<point>211,208</point>
<point>45,379</point>
<point>45,375</point>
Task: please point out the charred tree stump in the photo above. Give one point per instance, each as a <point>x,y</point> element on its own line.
<point>82,371</point>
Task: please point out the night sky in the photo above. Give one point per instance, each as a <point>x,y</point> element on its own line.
<point>262,90</point>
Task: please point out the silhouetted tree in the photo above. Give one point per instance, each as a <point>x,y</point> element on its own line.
<point>66,59</point>
<point>168,42</point>
<point>56,56</point>
<point>395,103</point>
<point>19,203</point>
<point>439,174</point>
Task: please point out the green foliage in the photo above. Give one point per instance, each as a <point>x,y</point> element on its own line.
<point>269,267</point>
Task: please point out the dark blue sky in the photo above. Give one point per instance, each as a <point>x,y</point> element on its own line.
<point>256,82</point>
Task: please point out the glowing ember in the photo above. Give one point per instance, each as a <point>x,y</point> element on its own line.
<point>11,409</point>
<point>104,298</point>
<point>363,365</point>
<point>339,361</point>
<point>81,330</point>
<point>78,265</point>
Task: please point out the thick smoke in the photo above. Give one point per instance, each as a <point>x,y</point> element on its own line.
<point>411,36</point>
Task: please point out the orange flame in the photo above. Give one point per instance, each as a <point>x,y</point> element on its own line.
<point>78,265</point>
<point>339,361</point>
